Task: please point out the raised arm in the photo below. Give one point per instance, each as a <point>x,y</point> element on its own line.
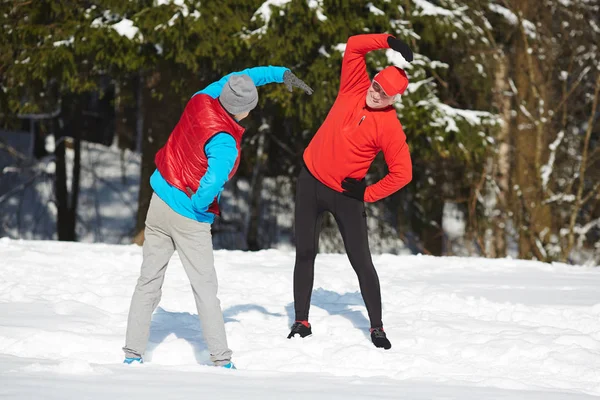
<point>354,68</point>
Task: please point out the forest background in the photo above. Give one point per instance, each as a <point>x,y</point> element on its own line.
<point>501,116</point>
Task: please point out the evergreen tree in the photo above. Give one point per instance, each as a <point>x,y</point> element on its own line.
<point>530,180</point>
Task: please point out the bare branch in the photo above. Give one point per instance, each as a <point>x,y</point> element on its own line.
<point>281,144</point>
<point>595,191</point>
<point>570,92</point>
<point>582,170</point>
<point>472,210</point>
<point>12,151</point>
<point>523,109</point>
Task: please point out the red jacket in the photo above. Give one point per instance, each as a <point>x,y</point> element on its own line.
<point>352,134</point>
<point>182,161</point>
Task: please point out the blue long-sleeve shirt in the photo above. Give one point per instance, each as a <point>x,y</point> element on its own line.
<point>221,152</point>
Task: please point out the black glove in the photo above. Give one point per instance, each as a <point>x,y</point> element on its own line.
<point>290,80</point>
<point>401,47</point>
<point>354,188</point>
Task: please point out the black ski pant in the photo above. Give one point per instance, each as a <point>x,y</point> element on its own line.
<point>312,200</point>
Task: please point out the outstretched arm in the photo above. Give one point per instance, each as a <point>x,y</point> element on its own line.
<point>259,75</point>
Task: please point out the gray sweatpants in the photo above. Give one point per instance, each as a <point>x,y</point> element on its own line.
<point>167,231</point>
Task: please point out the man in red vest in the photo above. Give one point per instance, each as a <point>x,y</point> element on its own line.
<point>361,123</point>
<point>200,156</point>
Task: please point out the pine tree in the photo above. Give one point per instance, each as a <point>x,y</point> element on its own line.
<point>439,134</point>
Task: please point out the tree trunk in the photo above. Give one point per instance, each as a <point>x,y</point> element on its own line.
<point>530,139</point>
<point>501,166</point>
<point>125,115</point>
<point>60,191</point>
<point>427,223</point>
<point>66,202</point>
<point>432,234</point>
<point>75,183</point>
<point>254,207</point>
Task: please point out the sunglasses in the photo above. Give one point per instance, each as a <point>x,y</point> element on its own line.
<point>377,87</point>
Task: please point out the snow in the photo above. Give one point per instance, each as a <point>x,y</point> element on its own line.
<point>546,169</point>
<point>594,26</point>
<point>264,12</point>
<point>183,11</point>
<point>430,9</point>
<point>318,5</point>
<point>583,230</point>
<point>126,28</point>
<point>414,86</point>
<point>341,47</point>
<point>97,23</point>
<point>561,197</point>
<point>473,117</point>
<point>453,221</point>
<point>460,328</point>
<point>438,64</point>
<point>512,19</point>
<point>324,52</point>
<point>179,3</point>
<point>374,10</point>
<point>67,42</point>
<point>447,116</point>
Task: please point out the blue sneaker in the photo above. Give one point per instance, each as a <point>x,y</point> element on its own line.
<point>229,365</point>
<point>131,360</point>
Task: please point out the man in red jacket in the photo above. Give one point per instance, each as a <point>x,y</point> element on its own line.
<point>361,123</point>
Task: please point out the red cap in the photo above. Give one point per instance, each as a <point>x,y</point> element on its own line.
<point>393,80</point>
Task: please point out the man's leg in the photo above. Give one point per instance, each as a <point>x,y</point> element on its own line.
<point>193,241</point>
<point>158,249</point>
<point>351,218</point>
<point>307,226</point>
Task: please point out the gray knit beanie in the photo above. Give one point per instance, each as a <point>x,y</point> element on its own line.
<point>239,94</point>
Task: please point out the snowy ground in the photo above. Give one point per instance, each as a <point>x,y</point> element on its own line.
<point>460,329</point>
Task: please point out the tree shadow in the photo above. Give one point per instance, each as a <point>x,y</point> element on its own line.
<point>337,304</point>
<point>187,326</point>
<point>229,313</point>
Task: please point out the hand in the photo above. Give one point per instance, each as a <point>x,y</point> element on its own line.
<point>354,188</point>
<point>401,47</point>
<point>290,80</point>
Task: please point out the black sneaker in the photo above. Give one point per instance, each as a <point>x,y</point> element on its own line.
<point>301,328</point>
<point>379,339</point>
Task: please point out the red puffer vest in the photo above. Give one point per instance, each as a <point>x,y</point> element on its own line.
<point>182,161</point>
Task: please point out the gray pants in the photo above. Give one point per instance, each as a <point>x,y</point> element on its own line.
<point>167,231</point>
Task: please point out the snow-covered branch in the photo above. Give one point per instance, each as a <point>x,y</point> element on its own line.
<point>546,170</point>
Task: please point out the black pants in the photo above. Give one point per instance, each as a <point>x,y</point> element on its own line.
<point>312,200</point>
